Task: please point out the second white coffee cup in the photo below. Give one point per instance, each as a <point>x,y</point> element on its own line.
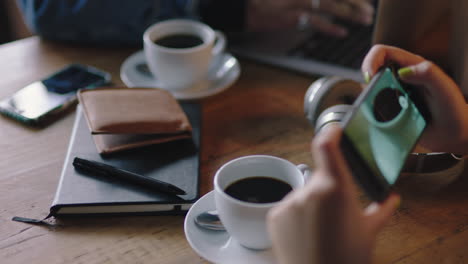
<point>245,220</point>
<point>179,51</point>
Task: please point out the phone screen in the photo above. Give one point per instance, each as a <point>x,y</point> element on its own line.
<point>42,97</point>
<point>380,133</point>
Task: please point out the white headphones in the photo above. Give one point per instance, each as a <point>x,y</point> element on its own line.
<point>328,99</point>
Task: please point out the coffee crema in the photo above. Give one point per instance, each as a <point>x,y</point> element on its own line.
<point>258,189</point>
<point>179,41</point>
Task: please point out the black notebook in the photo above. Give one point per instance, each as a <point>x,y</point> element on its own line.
<point>174,162</point>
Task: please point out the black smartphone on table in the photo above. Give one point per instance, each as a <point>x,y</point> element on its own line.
<point>380,131</point>
<point>40,102</point>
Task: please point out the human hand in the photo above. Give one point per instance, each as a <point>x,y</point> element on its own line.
<point>447,130</point>
<point>280,14</point>
<point>323,222</point>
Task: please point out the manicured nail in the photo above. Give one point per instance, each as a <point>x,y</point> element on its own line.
<point>366,77</point>
<point>405,72</point>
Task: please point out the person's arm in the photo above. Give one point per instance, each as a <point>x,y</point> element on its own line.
<point>110,22</point>
<point>447,130</point>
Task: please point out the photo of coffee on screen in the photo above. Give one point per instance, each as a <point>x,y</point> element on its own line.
<point>388,104</point>
<point>179,41</point>
<point>258,189</point>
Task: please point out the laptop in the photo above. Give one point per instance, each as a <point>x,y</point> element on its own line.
<point>309,52</point>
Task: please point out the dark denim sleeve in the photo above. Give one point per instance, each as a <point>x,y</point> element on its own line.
<point>226,15</point>
<point>110,22</point>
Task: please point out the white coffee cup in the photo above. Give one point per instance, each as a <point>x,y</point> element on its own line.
<point>179,68</point>
<point>246,221</point>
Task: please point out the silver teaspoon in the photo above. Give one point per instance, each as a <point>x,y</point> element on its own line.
<point>209,220</point>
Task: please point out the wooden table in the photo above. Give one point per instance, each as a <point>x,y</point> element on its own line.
<point>262,113</point>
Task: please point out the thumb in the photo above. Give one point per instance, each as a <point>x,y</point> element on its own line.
<point>378,214</point>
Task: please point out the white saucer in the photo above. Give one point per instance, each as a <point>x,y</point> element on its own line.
<point>224,71</point>
<point>218,246</point>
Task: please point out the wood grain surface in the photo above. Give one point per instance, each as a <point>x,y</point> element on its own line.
<point>262,113</point>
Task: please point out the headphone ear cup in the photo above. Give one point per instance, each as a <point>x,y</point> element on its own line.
<point>330,115</point>
<point>328,91</point>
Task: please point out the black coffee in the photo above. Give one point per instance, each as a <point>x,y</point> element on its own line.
<point>179,41</point>
<point>258,189</point>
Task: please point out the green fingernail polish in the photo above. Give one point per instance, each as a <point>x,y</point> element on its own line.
<point>366,77</point>
<point>405,72</point>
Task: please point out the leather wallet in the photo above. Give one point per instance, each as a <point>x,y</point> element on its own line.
<point>124,118</point>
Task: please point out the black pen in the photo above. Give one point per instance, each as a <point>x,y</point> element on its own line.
<point>98,168</point>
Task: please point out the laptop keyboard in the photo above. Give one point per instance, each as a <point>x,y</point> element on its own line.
<point>347,52</point>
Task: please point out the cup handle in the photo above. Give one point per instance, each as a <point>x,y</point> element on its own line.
<point>306,171</point>
<point>220,43</point>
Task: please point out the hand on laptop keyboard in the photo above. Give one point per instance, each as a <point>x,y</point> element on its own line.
<point>264,15</point>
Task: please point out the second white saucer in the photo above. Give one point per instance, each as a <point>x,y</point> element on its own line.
<point>218,246</point>
<point>224,71</point>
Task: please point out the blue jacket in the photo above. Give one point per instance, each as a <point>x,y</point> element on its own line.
<point>122,22</point>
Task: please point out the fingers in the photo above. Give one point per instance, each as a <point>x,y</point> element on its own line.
<point>328,156</point>
<point>307,19</point>
<point>324,24</point>
<point>298,18</point>
<point>443,91</point>
<point>354,10</point>
<point>378,215</point>
<point>441,95</point>
<point>276,15</point>
<point>380,55</point>
<point>289,226</point>
<point>445,102</point>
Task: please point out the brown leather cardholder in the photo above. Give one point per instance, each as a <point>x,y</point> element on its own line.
<point>125,118</point>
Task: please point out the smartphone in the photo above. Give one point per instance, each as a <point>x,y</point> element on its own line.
<point>380,131</point>
<point>41,101</point>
